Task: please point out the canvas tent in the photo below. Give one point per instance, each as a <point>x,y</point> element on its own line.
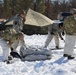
<point>9,21</point>
<point>35,18</point>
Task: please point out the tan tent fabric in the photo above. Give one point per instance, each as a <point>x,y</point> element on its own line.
<point>36,19</point>
<point>9,23</point>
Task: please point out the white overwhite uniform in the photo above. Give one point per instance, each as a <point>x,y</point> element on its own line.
<point>5,48</point>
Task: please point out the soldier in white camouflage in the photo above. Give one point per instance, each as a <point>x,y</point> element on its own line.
<point>18,27</point>
<point>70,29</point>
<point>54,31</point>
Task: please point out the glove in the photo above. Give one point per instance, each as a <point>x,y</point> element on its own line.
<point>63,33</point>
<point>11,49</point>
<point>15,23</point>
<point>52,33</point>
<point>62,39</point>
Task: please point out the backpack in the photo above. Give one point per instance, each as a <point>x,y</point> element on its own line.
<point>62,15</point>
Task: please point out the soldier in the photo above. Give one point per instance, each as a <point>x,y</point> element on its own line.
<point>55,31</point>
<point>18,27</point>
<point>70,29</point>
<point>13,36</point>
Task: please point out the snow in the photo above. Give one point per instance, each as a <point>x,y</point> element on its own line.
<point>57,21</point>
<point>57,65</point>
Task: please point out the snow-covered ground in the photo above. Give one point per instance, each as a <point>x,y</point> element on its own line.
<point>57,65</point>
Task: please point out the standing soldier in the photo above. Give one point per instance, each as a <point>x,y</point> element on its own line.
<point>55,31</point>
<point>18,27</point>
<point>70,29</point>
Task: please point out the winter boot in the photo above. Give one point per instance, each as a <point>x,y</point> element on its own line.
<point>70,57</point>
<point>57,47</point>
<point>65,55</point>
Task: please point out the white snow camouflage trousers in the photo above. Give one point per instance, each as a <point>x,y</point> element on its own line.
<point>69,44</point>
<point>49,39</point>
<point>5,48</point>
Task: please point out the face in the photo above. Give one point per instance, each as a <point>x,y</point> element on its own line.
<point>22,15</point>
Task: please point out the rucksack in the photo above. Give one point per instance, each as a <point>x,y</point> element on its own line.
<point>62,15</point>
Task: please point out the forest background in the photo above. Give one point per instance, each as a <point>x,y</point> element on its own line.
<point>50,8</point>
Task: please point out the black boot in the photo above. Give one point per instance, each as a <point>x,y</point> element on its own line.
<point>57,47</point>
<point>65,55</point>
<point>11,49</point>
<point>70,57</point>
<point>10,57</point>
<point>15,54</point>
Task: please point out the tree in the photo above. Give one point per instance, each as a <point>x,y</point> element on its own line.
<point>49,9</point>
<point>1,9</point>
<point>18,5</point>
<point>7,11</point>
<point>39,6</point>
<point>72,3</point>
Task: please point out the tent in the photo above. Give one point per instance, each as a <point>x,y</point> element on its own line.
<point>9,21</point>
<point>35,18</point>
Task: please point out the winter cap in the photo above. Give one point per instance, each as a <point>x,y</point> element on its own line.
<point>73,11</point>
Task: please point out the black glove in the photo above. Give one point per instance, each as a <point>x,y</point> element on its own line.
<point>52,33</point>
<point>21,30</point>
<point>11,49</point>
<point>15,23</point>
<point>63,33</point>
<point>62,39</point>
